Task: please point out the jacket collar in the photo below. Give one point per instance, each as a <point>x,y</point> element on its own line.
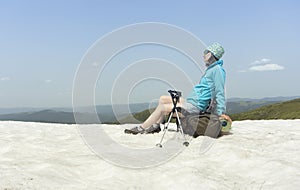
<point>219,62</point>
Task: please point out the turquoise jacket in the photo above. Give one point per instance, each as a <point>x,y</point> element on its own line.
<point>211,87</point>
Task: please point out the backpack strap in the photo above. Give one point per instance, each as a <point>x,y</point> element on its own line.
<point>211,106</point>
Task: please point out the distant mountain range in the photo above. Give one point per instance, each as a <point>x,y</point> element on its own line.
<point>107,115</point>
<point>51,116</point>
<point>122,108</point>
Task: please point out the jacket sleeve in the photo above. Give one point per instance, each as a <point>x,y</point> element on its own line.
<point>219,90</point>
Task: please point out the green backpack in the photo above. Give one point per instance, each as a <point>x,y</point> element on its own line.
<point>204,124</point>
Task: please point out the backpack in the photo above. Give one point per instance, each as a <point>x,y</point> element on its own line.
<point>204,124</point>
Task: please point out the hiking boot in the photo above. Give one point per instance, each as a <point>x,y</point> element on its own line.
<point>135,130</point>
<point>155,128</point>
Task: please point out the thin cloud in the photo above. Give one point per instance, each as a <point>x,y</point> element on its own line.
<point>263,61</point>
<point>48,81</point>
<point>267,67</point>
<point>4,79</point>
<point>95,64</point>
<point>263,64</point>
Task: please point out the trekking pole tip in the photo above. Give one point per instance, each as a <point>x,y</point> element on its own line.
<point>159,145</point>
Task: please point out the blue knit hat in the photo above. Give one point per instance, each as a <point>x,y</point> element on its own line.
<point>216,49</point>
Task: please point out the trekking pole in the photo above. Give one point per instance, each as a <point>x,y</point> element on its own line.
<point>175,99</point>
<point>165,130</point>
<point>185,143</point>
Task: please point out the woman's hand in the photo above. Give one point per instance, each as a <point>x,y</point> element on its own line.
<point>223,116</point>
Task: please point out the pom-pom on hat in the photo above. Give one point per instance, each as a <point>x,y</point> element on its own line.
<point>216,49</point>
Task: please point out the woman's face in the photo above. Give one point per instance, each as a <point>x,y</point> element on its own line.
<point>206,57</point>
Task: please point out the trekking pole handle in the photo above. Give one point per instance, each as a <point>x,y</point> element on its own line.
<point>175,94</point>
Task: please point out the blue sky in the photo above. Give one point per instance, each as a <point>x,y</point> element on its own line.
<point>43,42</point>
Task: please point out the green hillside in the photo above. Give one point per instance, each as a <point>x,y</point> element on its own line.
<point>244,106</point>
<point>283,110</point>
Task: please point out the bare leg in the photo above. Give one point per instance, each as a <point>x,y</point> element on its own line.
<point>164,107</point>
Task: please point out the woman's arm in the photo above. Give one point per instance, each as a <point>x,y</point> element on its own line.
<point>219,90</point>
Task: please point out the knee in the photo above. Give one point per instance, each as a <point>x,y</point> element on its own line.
<point>162,99</point>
